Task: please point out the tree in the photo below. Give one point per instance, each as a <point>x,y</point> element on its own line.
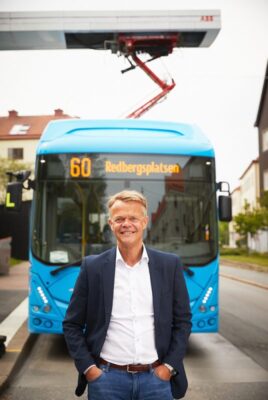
<point>9,165</point>
<point>264,208</point>
<point>223,233</point>
<point>248,222</point>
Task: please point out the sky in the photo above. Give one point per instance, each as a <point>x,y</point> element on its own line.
<point>217,88</point>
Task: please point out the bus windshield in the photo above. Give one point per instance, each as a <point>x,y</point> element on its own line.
<point>71,218</point>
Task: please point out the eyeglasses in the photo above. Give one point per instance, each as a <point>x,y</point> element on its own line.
<point>121,220</point>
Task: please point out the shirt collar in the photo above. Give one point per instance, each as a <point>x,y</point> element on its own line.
<point>144,255</point>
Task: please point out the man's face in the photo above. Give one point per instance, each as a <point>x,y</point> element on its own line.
<point>127,221</point>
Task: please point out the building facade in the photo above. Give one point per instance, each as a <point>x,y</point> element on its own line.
<point>254,181</point>
<point>247,192</point>
<point>262,125</point>
<point>19,135</point>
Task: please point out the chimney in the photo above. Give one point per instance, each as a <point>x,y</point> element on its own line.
<point>13,114</point>
<point>58,112</point>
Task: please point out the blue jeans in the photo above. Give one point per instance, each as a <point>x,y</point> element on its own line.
<point>114,384</point>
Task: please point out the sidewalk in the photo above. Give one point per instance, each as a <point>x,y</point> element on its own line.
<point>13,316</point>
<point>13,288</point>
<point>242,272</point>
<point>244,265</point>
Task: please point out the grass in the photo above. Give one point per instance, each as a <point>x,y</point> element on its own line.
<point>257,259</point>
<point>14,261</point>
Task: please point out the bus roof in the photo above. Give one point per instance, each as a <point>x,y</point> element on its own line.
<point>126,135</point>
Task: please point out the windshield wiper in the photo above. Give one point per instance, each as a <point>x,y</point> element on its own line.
<point>187,270</point>
<point>74,264</point>
<point>79,262</point>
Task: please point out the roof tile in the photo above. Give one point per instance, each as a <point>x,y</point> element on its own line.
<point>36,123</point>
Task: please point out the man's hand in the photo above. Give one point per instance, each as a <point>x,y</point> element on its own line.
<point>162,372</point>
<point>93,373</point>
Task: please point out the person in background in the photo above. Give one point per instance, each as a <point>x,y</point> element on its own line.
<point>128,321</point>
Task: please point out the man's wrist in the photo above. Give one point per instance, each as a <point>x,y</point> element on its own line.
<point>172,370</point>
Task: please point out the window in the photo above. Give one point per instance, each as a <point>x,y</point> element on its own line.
<point>265,179</point>
<point>19,129</point>
<point>15,154</point>
<point>265,140</point>
<point>71,216</point>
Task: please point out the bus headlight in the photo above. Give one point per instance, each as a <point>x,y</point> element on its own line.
<point>48,324</point>
<point>37,321</point>
<point>201,323</point>
<point>212,321</point>
<point>47,308</point>
<point>207,295</point>
<point>42,294</point>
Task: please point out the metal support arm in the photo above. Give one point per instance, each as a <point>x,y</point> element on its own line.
<point>162,84</point>
<point>156,46</point>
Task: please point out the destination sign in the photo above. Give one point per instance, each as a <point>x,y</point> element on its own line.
<point>86,166</point>
<point>141,169</point>
<point>81,167</point>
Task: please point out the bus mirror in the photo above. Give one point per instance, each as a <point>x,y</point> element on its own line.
<point>13,196</point>
<point>223,187</point>
<point>225,208</point>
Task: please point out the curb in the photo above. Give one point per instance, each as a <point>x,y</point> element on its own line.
<point>242,280</point>
<point>16,352</point>
<point>238,264</point>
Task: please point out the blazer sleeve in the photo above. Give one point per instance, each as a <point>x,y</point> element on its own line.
<point>74,323</point>
<point>181,326</point>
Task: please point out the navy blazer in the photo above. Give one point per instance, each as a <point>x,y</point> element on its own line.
<point>88,315</point>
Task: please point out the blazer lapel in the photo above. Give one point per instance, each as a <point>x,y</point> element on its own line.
<point>156,279</point>
<point>108,272</point>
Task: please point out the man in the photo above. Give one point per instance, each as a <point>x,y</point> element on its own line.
<point>128,322</point>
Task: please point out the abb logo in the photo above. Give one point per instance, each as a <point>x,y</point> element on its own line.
<point>207,18</point>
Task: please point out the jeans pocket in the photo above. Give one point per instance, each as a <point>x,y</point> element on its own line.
<point>160,379</point>
<point>96,379</point>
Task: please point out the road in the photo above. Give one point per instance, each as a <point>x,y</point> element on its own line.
<point>244,316</point>
<point>229,365</point>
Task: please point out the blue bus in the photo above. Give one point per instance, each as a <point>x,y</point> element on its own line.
<point>79,164</point>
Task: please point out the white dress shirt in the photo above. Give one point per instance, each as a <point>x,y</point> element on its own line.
<point>130,337</point>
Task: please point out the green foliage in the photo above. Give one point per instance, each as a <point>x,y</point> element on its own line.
<point>250,221</point>
<point>254,260</point>
<point>264,209</point>
<point>232,251</point>
<point>5,166</point>
<point>264,200</point>
<point>14,261</point>
<point>223,233</point>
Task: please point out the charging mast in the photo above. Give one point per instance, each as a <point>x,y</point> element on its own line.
<point>155,46</point>
<point>128,33</point>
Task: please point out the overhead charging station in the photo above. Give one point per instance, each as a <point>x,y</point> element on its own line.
<point>127,33</point>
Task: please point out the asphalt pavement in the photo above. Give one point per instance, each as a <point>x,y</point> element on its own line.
<point>13,313</point>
